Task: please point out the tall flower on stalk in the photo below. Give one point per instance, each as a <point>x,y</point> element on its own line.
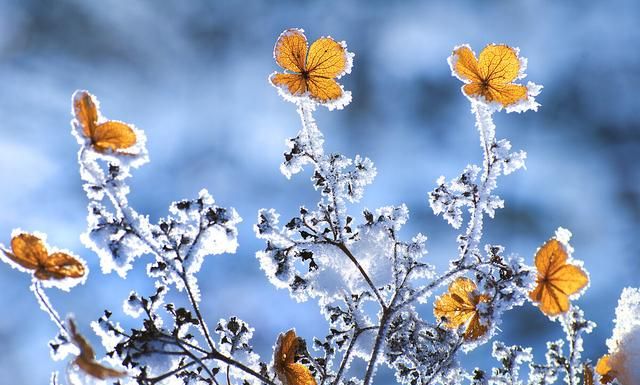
<point>311,72</point>
<point>491,77</point>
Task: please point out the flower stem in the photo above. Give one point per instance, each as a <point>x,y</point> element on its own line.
<point>46,306</point>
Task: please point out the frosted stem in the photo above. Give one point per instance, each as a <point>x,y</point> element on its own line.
<point>219,356</point>
<point>487,130</point>
<point>432,285</point>
<point>312,137</point>
<point>373,361</point>
<point>45,305</point>
<point>571,337</point>
<point>347,356</point>
<point>187,284</point>
<point>310,132</point>
<point>363,272</point>
<point>121,205</point>
<point>128,213</point>
<point>448,359</point>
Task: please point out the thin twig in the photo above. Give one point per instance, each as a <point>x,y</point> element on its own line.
<point>187,284</point>
<point>337,241</point>
<point>196,308</point>
<point>347,355</point>
<point>44,300</point>
<point>221,357</point>
<point>450,355</point>
<point>364,274</point>
<point>215,354</point>
<point>170,373</point>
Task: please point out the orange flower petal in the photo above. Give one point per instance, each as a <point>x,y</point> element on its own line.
<point>298,374</point>
<point>475,329</point>
<point>286,348</point>
<point>459,306</point>
<point>474,89</point>
<point>604,369</point>
<point>505,94</point>
<point>86,112</point>
<point>327,58</point>
<point>466,65</point>
<point>550,257</point>
<point>293,83</point>
<point>569,279</point>
<point>62,265</point>
<point>97,370</point>
<point>491,76</point>
<point>86,360</point>
<point>109,135</point>
<point>86,350</point>
<point>324,89</point>
<point>288,372</point>
<point>290,50</point>
<point>113,135</point>
<point>29,251</point>
<point>551,300</point>
<point>315,71</point>
<point>499,64</point>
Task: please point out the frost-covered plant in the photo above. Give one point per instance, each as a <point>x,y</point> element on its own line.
<point>371,285</point>
<point>374,288</point>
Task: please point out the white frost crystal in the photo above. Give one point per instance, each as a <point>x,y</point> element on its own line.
<point>624,345</point>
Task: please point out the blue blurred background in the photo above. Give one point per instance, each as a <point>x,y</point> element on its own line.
<point>193,75</point>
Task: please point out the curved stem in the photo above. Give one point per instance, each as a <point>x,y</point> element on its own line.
<point>214,354</point>
<point>44,301</point>
<point>199,361</point>
<point>125,211</point>
<point>187,284</point>
<point>202,325</point>
<point>486,129</point>
<point>170,373</point>
<point>432,285</point>
<point>347,355</point>
<point>310,128</point>
<point>377,345</point>
<point>362,271</point>
<point>221,357</point>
